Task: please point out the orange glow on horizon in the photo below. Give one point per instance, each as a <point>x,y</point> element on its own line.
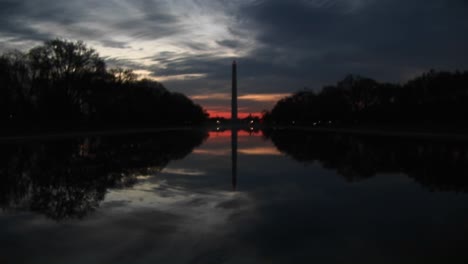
<point>217,104</point>
<point>227,133</point>
<point>227,114</point>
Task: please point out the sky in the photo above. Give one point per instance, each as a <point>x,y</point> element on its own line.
<point>281,46</point>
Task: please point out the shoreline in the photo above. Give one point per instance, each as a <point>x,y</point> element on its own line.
<point>382,132</point>
<point>47,135</point>
<point>365,131</point>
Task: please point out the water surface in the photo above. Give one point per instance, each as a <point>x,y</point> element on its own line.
<point>222,197</point>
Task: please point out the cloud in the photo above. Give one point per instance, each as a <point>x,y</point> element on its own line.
<point>215,96</point>
<point>230,43</point>
<point>184,77</point>
<point>247,97</point>
<point>377,39</point>
<point>263,97</point>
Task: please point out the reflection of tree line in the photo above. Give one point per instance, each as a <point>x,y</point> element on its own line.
<point>68,179</point>
<point>438,165</point>
<point>66,84</point>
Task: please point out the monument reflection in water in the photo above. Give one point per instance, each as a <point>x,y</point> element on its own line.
<point>168,197</point>
<point>234,157</point>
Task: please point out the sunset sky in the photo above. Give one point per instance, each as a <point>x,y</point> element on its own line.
<point>280,46</point>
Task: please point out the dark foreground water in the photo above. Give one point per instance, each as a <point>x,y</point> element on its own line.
<point>217,197</point>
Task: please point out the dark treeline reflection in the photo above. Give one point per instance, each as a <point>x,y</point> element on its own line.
<point>437,165</point>
<point>432,98</point>
<point>66,84</point>
<point>68,178</point>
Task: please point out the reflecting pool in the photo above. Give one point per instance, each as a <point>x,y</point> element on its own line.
<point>196,196</point>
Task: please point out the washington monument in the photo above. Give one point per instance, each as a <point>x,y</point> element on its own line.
<point>234,93</point>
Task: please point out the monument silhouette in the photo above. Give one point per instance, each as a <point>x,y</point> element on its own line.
<point>234,93</point>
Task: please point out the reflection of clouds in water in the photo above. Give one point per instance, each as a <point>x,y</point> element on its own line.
<point>260,151</point>
<point>182,171</point>
<point>214,152</point>
<point>202,211</point>
<point>199,221</point>
<point>155,221</point>
<point>246,151</point>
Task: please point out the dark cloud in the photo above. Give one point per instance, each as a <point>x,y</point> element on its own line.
<point>12,22</point>
<point>87,19</point>
<point>198,46</point>
<point>378,38</point>
<point>230,43</point>
<point>151,26</point>
<point>114,44</point>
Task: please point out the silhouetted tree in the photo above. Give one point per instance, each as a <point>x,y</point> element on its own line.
<point>123,75</point>
<point>66,84</point>
<point>435,98</point>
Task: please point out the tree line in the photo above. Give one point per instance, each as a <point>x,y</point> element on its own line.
<point>432,98</point>
<point>64,83</point>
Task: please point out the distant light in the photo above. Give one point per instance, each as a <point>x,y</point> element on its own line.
<point>314,124</point>
<point>251,122</point>
<point>293,122</point>
<point>251,128</point>
<point>217,128</point>
<point>218,122</point>
<point>329,122</point>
